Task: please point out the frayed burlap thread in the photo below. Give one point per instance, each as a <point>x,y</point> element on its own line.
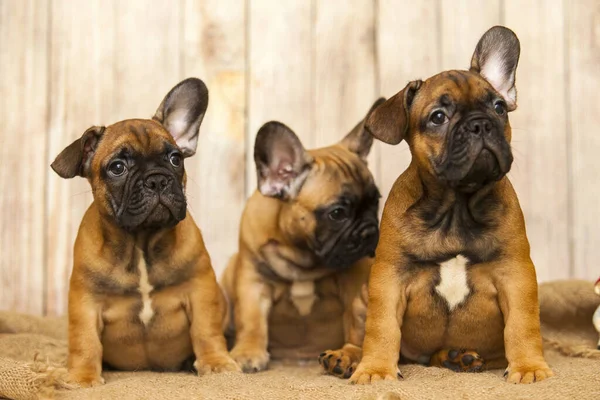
<point>30,381</point>
<point>582,351</point>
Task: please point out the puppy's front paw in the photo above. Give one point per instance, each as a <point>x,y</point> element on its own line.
<point>341,363</point>
<point>370,372</point>
<point>215,364</point>
<point>458,360</point>
<point>250,360</point>
<point>85,379</point>
<point>527,372</point>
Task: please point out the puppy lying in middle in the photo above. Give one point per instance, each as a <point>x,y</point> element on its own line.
<point>306,238</point>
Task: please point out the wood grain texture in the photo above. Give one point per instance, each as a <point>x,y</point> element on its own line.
<point>539,172</point>
<point>461,26</point>
<point>81,87</point>
<point>279,71</point>
<point>146,58</point>
<point>407,48</point>
<point>583,45</point>
<point>345,70</point>
<point>214,49</point>
<point>23,124</point>
<point>314,65</point>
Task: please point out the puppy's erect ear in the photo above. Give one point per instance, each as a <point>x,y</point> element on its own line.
<point>495,58</point>
<point>282,164</point>
<point>388,122</point>
<point>181,113</point>
<point>75,159</point>
<point>359,140</point>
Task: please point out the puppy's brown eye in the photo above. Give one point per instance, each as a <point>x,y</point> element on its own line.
<point>500,108</point>
<point>117,168</point>
<point>338,214</point>
<point>438,118</point>
<point>175,159</point>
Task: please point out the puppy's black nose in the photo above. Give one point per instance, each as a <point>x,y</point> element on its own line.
<point>369,232</point>
<point>156,182</point>
<point>479,126</point>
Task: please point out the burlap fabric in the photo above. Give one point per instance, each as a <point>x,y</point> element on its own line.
<point>33,354</point>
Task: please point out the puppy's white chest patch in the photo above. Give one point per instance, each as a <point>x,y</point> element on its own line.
<point>453,285</point>
<point>302,294</point>
<point>145,288</point>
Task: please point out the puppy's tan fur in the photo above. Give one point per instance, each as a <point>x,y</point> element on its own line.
<point>143,300</point>
<point>499,318</point>
<point>286,305</point>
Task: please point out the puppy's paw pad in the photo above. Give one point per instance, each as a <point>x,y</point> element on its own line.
<point>528,373</point>
<point>458,360</point>
<point>338,363</point>
<point>251,360</point>
<point>365,375</point>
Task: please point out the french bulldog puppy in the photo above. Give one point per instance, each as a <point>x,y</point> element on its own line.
<point>452,267</point>
<point>143,294</point>
<point>307,236</point>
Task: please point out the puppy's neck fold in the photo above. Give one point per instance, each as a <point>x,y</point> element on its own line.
<point>115,237</point>
<point>444,201</point>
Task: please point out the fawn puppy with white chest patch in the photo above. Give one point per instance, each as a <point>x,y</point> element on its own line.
<point>306,240</point>
<point>452,267</point>
<point>143,294</point>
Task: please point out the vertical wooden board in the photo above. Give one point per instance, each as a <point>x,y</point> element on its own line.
<point>461,27</point>
<point>539,172</point>
<point>583,99</point>
<point>279,71</point>
<point>23,125</point>
<point>146,58</point>
<point>80,96</point>
<point>214,50</point>
<point>407,47</point>
<point>345,71</point>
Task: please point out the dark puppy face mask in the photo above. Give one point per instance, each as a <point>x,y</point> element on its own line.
<point>136,167</point>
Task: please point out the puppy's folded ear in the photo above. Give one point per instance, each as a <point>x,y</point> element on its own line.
<point>495,58</point>
<point>75,159</point>
<point>181,113</point>
<point>388,122</point>
<point>282,164</point>
<point>359,140</point>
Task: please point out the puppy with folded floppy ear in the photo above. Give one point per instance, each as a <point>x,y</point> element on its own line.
<point>452,268</point>
<point>306,240</point>
<point>143,294</point>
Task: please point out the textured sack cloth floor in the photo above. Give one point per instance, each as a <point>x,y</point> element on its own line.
<point>33,354</point>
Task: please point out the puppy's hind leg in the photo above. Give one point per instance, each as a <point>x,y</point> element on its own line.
<point>341,363</point>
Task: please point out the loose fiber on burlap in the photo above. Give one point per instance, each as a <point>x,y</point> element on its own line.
<point>33,350</point>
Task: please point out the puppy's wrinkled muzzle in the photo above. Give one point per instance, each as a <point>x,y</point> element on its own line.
<point>364,239</point>
<point>476,153</point>
<point>155,201</point>
<point>358,243</point>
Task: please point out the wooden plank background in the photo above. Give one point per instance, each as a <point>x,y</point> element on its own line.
<point>315,65</point>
